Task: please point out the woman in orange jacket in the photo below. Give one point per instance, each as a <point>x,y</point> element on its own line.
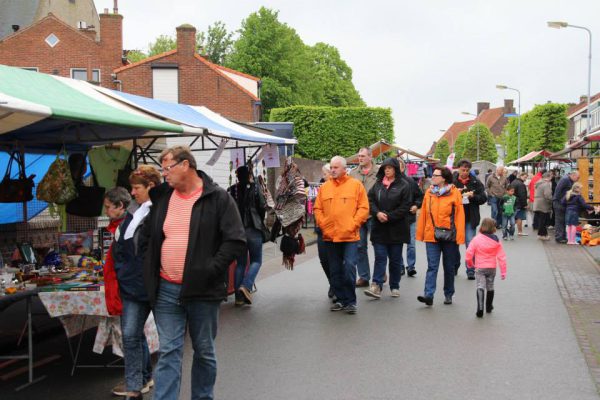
<point>442,209</point>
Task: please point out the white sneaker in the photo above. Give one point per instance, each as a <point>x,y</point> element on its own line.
<point>395,293</point>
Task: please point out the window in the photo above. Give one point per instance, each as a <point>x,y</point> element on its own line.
<point>79,73</point>
<point>165,84</point>
<point>34,69</point>
<point>96,75</point>
<point>52,40</point>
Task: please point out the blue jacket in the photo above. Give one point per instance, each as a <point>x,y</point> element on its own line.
<point>564,184</point>
<point>576,203</point>
<point>129,262</point>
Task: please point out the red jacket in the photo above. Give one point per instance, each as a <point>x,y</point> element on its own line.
<point>111,285</point>
<point>532,183</point>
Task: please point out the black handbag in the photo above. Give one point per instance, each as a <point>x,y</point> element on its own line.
<point>16,190</point>
<point>89,201</point>
<point>123,174</point>
<point>441,234</point>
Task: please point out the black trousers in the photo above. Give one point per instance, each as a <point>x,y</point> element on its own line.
<point>542,219</point>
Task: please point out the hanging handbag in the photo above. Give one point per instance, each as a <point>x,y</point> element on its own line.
<point>57,185</point>
<point>16,190</point>
<point>89,201</point>
<point>443,234</point>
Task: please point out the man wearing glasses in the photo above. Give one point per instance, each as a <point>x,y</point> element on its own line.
<point>195,233</point>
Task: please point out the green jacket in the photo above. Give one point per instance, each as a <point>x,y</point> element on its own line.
<point>508,205</point>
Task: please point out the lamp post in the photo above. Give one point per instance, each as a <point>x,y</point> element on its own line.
<point>560,25</point>
<point>477,123</point>
<point>503,87</point>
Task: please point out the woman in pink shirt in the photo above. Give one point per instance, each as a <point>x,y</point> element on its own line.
<point>485,253</point>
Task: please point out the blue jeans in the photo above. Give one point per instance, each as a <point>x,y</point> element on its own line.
<point>246,277</point>
<point>363,268</point>
<point>508,225</point>
<point>136,355</point>
<point>411,254</point>
<point>435,251</point>
<point>171,317</point>
<point>470,233</point>
<point>496,211</point>
<point>342,258</point>
<point>382,253</point>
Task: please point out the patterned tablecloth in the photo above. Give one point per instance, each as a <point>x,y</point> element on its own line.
<point>75,308</point>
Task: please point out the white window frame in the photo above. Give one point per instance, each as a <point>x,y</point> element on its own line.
<point>99,75</point>
<point>47,40</point>
<point>73,70</point>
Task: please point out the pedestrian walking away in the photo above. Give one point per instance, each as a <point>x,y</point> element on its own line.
<point>508,214</point>
<point>574,203</point>
<point>485,254</point>
<point>542,205</point>
<point>473,196</point>
<point>417,201</point>
<point>341,208</point>
<point>521,203</point>
<point>441,225</point>
<point>564,184</point>
<point>252,206</point>
<point>495,187</point>
<point>195,232</point>
<point>389,204</point>
<point>366,173</point>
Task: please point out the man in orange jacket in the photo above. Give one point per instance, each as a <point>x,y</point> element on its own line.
<point>340,209</point>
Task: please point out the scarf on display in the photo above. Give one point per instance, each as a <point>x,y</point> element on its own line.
<point>441,191</point>
<point>138,217</point>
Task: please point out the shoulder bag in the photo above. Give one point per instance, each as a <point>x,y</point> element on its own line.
<point>443,234</point>
<point>16,190</point>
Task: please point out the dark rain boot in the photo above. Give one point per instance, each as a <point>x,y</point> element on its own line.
<point>480,296</point>
<point>489,301</point>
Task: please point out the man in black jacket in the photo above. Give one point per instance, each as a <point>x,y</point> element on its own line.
<point>417,201</point>
<point>473,194</point>
<point>522,201</point>
<point>195,233</point>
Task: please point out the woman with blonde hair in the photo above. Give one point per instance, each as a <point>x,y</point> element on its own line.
<point>574,203</point>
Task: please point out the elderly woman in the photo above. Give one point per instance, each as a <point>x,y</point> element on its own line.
<point>128,253</point>
<point>389,205</point>
<point>441,226</point>
<point>542,204</point>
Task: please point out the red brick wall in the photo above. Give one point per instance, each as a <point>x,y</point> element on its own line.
<point>75,50</point>
<point>199,85</point>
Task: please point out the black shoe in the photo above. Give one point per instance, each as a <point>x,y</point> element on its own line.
<point>561,241</point>
<point>412,272</point>
<point>426,300</point>
<point>489,301</point>
<point>471,277</point>
<point>480,296</point>
<point>448,300</point>
<point>139,396</point>
<point>402,272</point>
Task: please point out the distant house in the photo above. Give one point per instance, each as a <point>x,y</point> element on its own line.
<point>577,115</point>
<point>493,118</point>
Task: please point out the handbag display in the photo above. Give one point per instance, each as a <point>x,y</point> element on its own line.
<point>57,185</point>
<point>89,201</point>
<point>441,234</point>
<point>16,190</point>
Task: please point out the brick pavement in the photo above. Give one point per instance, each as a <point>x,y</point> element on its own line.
<point>577,275</point>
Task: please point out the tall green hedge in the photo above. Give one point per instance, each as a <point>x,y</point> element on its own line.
<point>324,132</point>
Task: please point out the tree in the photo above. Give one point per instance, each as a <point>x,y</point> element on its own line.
<point>162,44</point>
<point>543,128</point>
<point>134,56</point>
<point>273,51</point>
<point>333,86</point>
<point>460,146</point>
<point>442,150</point>
<point>215,44</point>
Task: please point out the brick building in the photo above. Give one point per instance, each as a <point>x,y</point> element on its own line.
<point>78,43</point>
<point>183,76</point>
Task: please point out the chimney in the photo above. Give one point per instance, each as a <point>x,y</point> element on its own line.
<point>111,38</point>
<point>583,98</point>
<point>508,106</point>
<point>186,40</point>
<point>116,7</point>
<point>482,106</point>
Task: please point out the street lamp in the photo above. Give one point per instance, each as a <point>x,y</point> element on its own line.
<point>477,123</point>
<point>503,87</point>
<point>559,25</point>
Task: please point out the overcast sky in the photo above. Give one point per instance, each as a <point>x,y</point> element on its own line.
<point>427,60</point>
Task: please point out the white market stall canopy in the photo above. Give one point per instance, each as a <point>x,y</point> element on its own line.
<point>382,146</point>
<point>43,112</point>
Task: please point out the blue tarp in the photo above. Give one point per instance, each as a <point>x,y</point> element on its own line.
<point>34,164</point>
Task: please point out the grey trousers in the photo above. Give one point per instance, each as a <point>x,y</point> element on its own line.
<point>484,277</point>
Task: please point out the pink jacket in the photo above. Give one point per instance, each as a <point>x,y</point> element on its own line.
<point>488,253</point>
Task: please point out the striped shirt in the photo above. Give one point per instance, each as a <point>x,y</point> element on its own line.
<point>177,231</point>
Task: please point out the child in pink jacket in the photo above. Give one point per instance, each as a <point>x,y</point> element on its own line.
<point>485,253</point>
